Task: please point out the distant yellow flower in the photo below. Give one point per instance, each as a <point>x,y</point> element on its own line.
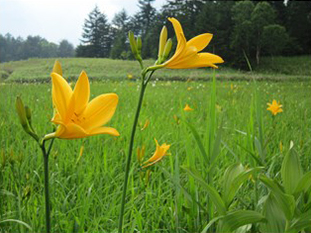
<point>158,154</point>
<point>275,107</point>
<point>147,123</point>
<point>187,52</point>
<point>75,115</point>
<point>189,88</point>
<point>130,76</point>
<point>187,108</point>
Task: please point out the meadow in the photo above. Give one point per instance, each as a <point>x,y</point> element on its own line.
<point>228,128</point>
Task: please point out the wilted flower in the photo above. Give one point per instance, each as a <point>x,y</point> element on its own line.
<point>275,107</point>
<point>187,108</point>
<point>75,115</point>
<point>147,123</point>
<point>158,154</point>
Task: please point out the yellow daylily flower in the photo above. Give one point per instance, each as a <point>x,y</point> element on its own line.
<point>158,154</point>
<point>187,108</point>
<point>275,107</point>
<point>147,123</point>
<point>75,115</point>
<point>187,52</point>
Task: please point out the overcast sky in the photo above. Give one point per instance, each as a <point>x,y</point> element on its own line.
<point>57,19</point>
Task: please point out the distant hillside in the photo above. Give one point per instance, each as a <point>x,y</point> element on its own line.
<point>99,68</point>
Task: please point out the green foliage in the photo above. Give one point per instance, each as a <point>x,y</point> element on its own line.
<point>120,27</point>
<point>274,39</point>
<point>291,171</point>
<point>13,49</point>
<point>287,207</point>
<point>96,36</point>
<point>243,32</point>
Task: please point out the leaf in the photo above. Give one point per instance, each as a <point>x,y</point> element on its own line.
<point>217,143</point>
<point>234,177</point>
<point>198,140</point>
<point>213,194</point>
<point>291,171</point>
<point>211,223</point>
<point>17,221</point>
<point>237,218</point>
<point>238,181</point>
<point>304,221</point>
<point>275,217</point>
<point>286,202</point>
<point>230,174</point>
<point>304,184</point>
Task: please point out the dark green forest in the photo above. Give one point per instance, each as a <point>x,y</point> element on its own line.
<point>243,30</point>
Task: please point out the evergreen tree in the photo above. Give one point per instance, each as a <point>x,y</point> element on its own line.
<point>120,27</point>
<point>145,15</point>
<point>96,35</point>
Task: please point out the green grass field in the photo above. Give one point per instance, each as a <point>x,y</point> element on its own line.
<point>34,70</point>
<point>86,187</point>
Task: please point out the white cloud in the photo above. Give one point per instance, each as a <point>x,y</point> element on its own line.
<point>56,19</point>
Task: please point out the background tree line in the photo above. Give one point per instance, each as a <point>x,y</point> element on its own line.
<point>243,30</point>
<point>14,49</point>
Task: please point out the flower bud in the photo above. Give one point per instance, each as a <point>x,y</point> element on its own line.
<point>28,114</point>
<point>162,42</point>
<point>133,43</point>
<point>139,45</point>
<point>23,118</point>
<point>57,68</point>
<point>167,49</point>
<point>20,109</point>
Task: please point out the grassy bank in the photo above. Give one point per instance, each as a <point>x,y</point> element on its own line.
<point>39,69</point>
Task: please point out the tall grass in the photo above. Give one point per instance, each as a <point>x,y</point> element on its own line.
<point>86,188</point>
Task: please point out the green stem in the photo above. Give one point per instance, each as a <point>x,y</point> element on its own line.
<point>46,184</point>
<point>129,157</point>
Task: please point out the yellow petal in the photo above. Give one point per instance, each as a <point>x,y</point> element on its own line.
<point>178,53</point>
<point>61,94</point>
<point>72,131</point>
<point>200,60</point>
<point>56,118</point>
<point>178,31</point>
<point>60,130</point>
<point>187,54</point>
<point>104,130</point>
<point>200,41</point>
<point>156,142</point>
<point>99,111</point>
<point>81,93</point>
<point>57,68</point>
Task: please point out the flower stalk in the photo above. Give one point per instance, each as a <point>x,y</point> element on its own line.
<point>130,150</point>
